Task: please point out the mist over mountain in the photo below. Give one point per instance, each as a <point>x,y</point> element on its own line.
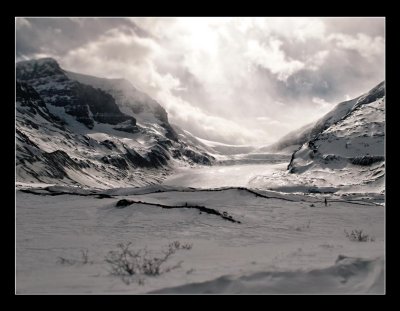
<point>223,155</point>
<point>342,151</point>
<point>77,129</point>
<point>349,142</point>
<point>234,80</point>
<point>299,136</point>
<point>71,125</point>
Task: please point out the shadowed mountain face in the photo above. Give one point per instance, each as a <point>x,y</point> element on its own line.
<point>76,133</point>
<point>131,101</point>
<point>84,102</point>
<point>31,104</point>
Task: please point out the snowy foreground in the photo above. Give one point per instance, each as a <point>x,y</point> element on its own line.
<point>254,241</point>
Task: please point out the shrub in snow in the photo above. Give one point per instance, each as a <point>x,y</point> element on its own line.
<point>128,262</point>
<point>358,236</point>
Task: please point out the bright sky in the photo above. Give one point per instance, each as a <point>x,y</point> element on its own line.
<point>233,80</point>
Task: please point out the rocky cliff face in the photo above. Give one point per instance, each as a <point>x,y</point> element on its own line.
<point>148,112</point>
<point>75,133</point>
<point>86,103</point>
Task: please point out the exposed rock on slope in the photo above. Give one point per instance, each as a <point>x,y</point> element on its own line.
<point>300,136</point>
<point>75,133</point>
<point>82,101</point>
<point>350,148</point>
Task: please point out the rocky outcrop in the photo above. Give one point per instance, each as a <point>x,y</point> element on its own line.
<point>127,126</point>
<point>29,102</point>
<point>86,103</point>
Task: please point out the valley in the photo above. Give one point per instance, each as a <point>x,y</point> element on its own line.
<point>100,170</point>
<point>283,239</point>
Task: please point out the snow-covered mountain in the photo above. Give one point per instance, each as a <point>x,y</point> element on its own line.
<point>147,112</point>
<point>78,129</point>
<point>298,137</point>
<point>347,145</point>
<point>247,225</point>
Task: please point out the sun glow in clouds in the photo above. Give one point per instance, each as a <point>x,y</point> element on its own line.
<point>217,76</point>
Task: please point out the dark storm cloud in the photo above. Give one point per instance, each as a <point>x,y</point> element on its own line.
<point>333,79</point>
<point>60,35</point>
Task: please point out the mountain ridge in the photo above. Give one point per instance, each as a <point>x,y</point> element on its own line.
<point>350,149</point>
<point>69,132</point>
<point>299,136</point>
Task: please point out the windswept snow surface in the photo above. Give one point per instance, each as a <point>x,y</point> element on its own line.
<point>346,276</point>
<point>284,243</point>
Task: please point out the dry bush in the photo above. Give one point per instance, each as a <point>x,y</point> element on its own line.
<point>128,262</point>
<point>358,236</point>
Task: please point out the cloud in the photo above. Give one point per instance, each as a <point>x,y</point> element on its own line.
<point>317,60</point>
<point>366,46</point>
<point>272,58</point>
<point>320,101</point>
<point>296,29</point>
<point>121,54</point>
<point>59,35</point>
<point>372,26</point>
<point>210,127</point>
<point>235,80</point>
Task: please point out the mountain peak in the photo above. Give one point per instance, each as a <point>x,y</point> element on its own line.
<point>41,61</point>
<point>38,68</point>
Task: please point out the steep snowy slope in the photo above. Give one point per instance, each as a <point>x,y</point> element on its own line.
<point>350,150</point>
<point>148,113</point>
<point>151,117</point>
<point>54,150</point>
<point>296,138</point>
<point>70,132</point>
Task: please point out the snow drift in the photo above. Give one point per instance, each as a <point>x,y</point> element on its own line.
<point>346,276</point>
